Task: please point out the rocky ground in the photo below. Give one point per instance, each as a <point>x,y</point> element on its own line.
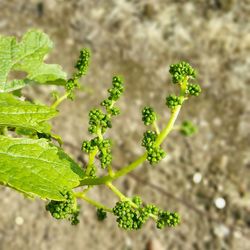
<point>139,39</point>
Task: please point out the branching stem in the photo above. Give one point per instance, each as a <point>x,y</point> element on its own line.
<point>59,101</point>
<point>93,202</point>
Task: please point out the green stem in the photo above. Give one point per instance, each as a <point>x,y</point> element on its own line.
<point>93,154</point>
<point>164,133</point>
<point>93,202</point>
<point>156,128</point>
<point>110,171</point>
<point>91,161</point>
<point>59,100</point>
<point>116,191</point>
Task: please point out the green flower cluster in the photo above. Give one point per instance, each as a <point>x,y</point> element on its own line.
<point>148,116</point>
<point>82,63</point>
<point>137,200</point>
<point>166,218</point>
<point>81,66</point>
<point>117,88</point>
<point>105,155</point>
<point>154,153</point>
<point>132,216</point>
<point>181,72</point>
<point>172,101</point>
<point>98,121</point>
<point>90,146</point>
<point>67,209</point>
<point>103,146</point>
<point>114,94</point>
<point>193,89</point>
<point>101,214</point>
<point>129,217</point>
<point>188,128</point>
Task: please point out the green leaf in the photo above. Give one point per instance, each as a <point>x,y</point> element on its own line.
<point>37,168</point>
<point>23,114</point>
<point>28,56</point>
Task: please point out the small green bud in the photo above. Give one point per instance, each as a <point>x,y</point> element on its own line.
<point>155,155</point>
<point>181,71</point>
<point>166,218</point>
<point>88,146</point>
<point>98,120</point>
<point>149,138</point>
<point>188,128</point>
<point>148,116</point>
<point>193,89</point>
<point>106,103</point>
<point>173,101</point>
<point>117,88</point>
<point>101,214</point>
<point>137,200</point>
<point>66,209</point>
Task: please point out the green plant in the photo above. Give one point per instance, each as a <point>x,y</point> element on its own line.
<point>32,163</point>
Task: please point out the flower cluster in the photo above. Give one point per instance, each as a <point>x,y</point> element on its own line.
<point>99,122</point>
<point>193,89</point>
<point>115,93</point>
<point>188,128</point>
<point>166,218</point>
<point>132,216</point>
<point>67,209</point>
<point>181,72</point>
<point>172,101</point>
<point>154,153</point>
<point>148,116</point>
<point>81,66</point>
<point>101,214</point>
<point>82,63</point>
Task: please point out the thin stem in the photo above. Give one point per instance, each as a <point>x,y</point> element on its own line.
<point>99,134</point>
<point>59,100</point>
<point>93,154</point>
<point>111,171</point>
<point>93,202</point>
<point>91,161</point>
<point>116,191</point>
<point>156,128</point>
<point>164,133</point>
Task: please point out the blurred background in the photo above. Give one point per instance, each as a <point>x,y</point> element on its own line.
<point>206,178</point>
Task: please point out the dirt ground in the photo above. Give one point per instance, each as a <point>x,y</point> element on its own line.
<point>139,39</point>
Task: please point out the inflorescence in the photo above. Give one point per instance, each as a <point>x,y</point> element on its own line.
<point>133,215</point>
<point>81,66</point>
<point>181,71</point>
<point>130,213</point>
<point>67,209</point>
<point>154,153</point>
<point>187,128</point>
<point>100,121</point>
<point>148,116</point>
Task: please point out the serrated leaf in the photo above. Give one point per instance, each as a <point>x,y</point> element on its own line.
<point>37,168</point>
<point>28,56</point>
<point>23,114</point>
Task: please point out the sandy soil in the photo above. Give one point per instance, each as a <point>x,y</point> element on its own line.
<point>139,39</point>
